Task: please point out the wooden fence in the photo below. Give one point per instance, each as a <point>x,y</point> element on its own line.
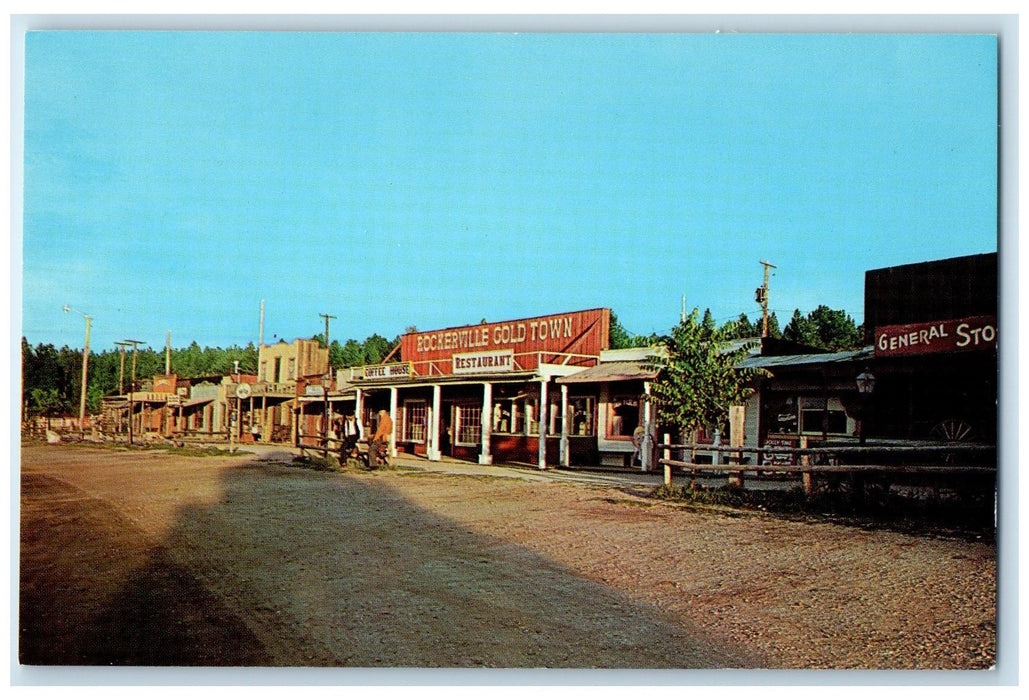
<point>963,459</point>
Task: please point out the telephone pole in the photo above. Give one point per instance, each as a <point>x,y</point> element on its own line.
<point>761,294</point>
<point>325,386</point>
<point>85,369</point>
<point>121,372</point>
<point>326,317</point>
<point>132,385</point>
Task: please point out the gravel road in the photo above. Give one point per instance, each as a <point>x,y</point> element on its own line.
<point>145,558</point>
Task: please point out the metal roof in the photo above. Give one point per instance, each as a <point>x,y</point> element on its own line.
<point>767,361</point>
<point>612,372</point>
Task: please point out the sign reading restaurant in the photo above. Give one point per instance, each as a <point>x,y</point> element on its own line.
<point>480,362</point>
<point>577,333</point>
<point>955,335</point>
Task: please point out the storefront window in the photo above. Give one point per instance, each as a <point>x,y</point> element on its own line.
<point>624,416</point>
<point>782,416</point>
<point>502,417</point>
<point>469,424</point>
<point>415,421</point>
<point>819,416</point>
<point>517,418</point>
<point>582,411</point>
<point>554,419</point>
<point>532,416</point>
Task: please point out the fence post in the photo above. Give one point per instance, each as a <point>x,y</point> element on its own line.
<point>804,461</point>
<point>668,455</point>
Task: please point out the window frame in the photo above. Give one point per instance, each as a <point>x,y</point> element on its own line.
<point>463,421</point>
<point>616,401</point>
<point>418,406</point>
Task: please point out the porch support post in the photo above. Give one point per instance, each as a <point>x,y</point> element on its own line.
<point>487,423</point>
<point>647,449</point>
<point>359,409</point>
<point>565,456</point>
<point>434,453</point>
<point>542,423</point>
<point>393,415</point>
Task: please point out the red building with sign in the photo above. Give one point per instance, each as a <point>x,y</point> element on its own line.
<point>488,392</point>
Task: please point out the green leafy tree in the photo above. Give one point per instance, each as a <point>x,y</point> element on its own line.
<point>709,322</point>
<point>834,329</point>
<point>618,337</point>
<point>741,328</point>
<point>375,349</point>
<point>351,354</point>
<point>47,403</point>
<point>824,328</point>
<point>700,378</point>
<point>800,329</point>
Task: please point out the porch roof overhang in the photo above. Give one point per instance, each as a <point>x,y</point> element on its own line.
<point>810,360</point>
<point>348,396</point>
<point>452,379</point>
<point>612,372</point>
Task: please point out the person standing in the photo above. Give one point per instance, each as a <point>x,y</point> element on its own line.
<point>638,437</point>
<point>352,433</point>
<point>380,440</point>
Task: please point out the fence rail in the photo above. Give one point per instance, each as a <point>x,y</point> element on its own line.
<point>825,460</point>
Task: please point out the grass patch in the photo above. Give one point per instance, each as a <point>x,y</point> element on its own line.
<point>161,447</point>
<point>318,464</point>
<point>969,514</point>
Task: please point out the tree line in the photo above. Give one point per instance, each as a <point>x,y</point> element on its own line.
<point>823,329</point>
<point>52,377</point>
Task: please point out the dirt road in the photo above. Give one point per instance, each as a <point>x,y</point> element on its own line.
<point>155,559</point>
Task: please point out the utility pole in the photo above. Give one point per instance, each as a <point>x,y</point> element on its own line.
<point>761,294</point>
<point>121,371</point>
<point>132,385</point>
<point>325,385</point>
<point>326,317</point>
<point>85,368</point>
<point>260,337</point>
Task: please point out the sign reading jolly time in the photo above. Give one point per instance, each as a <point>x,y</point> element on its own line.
<point>961,334</point>
<point>576,333</point>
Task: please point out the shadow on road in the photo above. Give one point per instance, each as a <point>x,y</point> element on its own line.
<point>299,568</point>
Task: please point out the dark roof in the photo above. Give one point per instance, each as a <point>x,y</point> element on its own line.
<point>766,361</point>
<point>612,372</point>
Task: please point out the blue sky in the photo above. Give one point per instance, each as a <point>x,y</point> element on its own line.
<point>173,180</point>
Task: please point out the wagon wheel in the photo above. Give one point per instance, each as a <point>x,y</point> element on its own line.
<point>952,430</point>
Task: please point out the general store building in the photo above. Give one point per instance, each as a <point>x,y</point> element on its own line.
<point>931,334</point>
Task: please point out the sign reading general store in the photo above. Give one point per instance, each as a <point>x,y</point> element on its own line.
<point>954,335</point>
